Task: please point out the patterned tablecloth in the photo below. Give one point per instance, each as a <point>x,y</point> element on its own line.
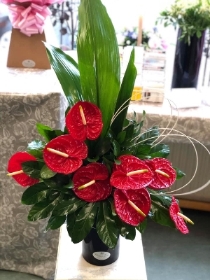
<point>26,98</point>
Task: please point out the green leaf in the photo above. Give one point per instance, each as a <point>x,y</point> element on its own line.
<point>128,231</point>
<point>84,222</point>
<point>47,132</point>
<point>116,146</point>
<point>160,150</point>
<point>160,197</point>
<point>142,226</point>
<point>66,70</point>
<point>179,173</point>
<point>34,194</point>
<point>42,209</point>
<point>55,222</point>
<point>125,94</point>
<point>98,58</point>
<point>68,207</point>
<point>32,168</point>
<point>35,148</point>
<point>106,226</point>
<point>46,173</point>
<point>71,221</point>
<point>160,215</point>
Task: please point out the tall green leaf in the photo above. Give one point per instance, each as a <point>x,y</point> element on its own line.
<point>67,72</point>
<point>125,94</point>
<point>98,58</point>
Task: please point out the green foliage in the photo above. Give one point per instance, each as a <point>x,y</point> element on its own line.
<point>192,18</point>
<point>98,59</point>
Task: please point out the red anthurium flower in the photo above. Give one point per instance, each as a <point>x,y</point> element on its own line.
<point>164,174</point>
<point>91,182</point>
<point>178,218</point>
<point>84,120</point>
<point>132,173</point>
<point>132,206</point>
<point>15,169</point>
<point>64,154</point>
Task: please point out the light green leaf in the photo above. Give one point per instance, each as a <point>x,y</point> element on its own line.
<point>98,58</point>
<point>46,173</point>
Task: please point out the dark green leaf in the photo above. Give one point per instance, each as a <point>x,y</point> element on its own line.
<point>121,137</point>
<point>179,173</point>
<point>84,222</point>
<point>160,197</point>
<point>125,94</point>
<point>35,148</point>
<point>46,173</point>
<point>106,226</point>
<point>142,226</point>
<point>98,57</point>
<point>71,221</point>
<point>160,150</point>
<point>160,215</point>
<point>42,209</point>
<point>66,70</point>
<point>116,146</point>
<point>32,168</point>
<point>68,207</point>
<point>34,194</point>
<point>55,222</point>
<point>128,231</point>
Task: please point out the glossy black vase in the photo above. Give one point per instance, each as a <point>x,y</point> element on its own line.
<point>187,62</point>
<point>95,252</point>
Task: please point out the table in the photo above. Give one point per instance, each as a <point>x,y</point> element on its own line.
<point>129,266</point>
<point>194,122</point>
<point>27,97</point>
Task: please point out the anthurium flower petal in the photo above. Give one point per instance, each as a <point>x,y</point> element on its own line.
<point>14,164</point>
<point>76,151</point>
<point>164,174</point>
<point>125,175</point>
<point>91,182</point>
<point>84,120</point>
<point>179,221</point>
<point>125,210</point>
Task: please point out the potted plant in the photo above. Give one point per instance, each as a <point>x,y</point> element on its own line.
<point>102,175</point>
<point>192,18</point>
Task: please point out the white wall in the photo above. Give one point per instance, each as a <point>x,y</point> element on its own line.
<point>125,13</point>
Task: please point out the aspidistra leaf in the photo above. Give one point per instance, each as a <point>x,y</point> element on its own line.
<point>66,70</point>
<point>98,58</point>
<point>125,94</point>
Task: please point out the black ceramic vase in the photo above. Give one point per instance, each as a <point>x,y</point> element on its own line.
<point>187,62</point>
<point>95,252</point>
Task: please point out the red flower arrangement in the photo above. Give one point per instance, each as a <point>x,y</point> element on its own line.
<point>102,170</point>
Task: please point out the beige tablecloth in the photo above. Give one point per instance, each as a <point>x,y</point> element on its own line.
<point>26,98</point>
